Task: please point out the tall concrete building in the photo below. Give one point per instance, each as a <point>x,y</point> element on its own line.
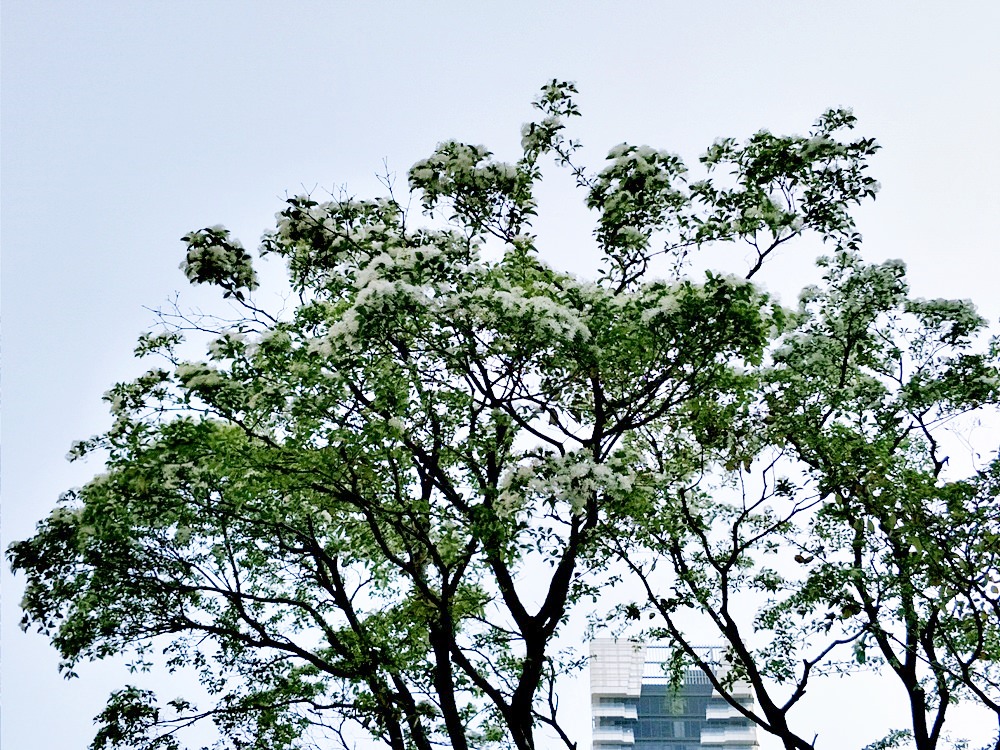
<point>634,708</point>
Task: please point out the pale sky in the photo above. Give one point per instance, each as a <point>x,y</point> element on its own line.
<point>127,124</point>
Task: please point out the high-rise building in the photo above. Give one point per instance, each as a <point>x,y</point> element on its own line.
<point>634,707</point>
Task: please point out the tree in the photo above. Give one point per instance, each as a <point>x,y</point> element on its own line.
<point>379,507</point>
<point>837,466</point>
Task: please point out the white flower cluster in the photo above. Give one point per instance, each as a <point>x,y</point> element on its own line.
<point>227,345</point>
<point>573,478</point>
<point>537,137</point>
<point>214,258</point>
<point>642,159</point>
<point>198,375</point>
<point>549,316</point>
<point>821,146</point>
<point>659,303</point>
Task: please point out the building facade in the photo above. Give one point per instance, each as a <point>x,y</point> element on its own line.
<point>634,708</point>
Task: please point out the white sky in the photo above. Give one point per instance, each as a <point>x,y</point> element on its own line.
<point>127,124</point>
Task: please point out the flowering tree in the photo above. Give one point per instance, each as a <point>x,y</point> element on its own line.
<point>380,507</point>
<point>841,524</point>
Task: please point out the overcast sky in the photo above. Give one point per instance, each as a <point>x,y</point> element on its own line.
<point>127,124</point>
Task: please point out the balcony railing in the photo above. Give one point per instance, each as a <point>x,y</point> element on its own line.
<point>722,712</point>
<point>620,735</point>
<point>621,710</point>
<point>728,735</point>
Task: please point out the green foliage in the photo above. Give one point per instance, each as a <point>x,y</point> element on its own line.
<point>376,510</point>
<point>894,739</point>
